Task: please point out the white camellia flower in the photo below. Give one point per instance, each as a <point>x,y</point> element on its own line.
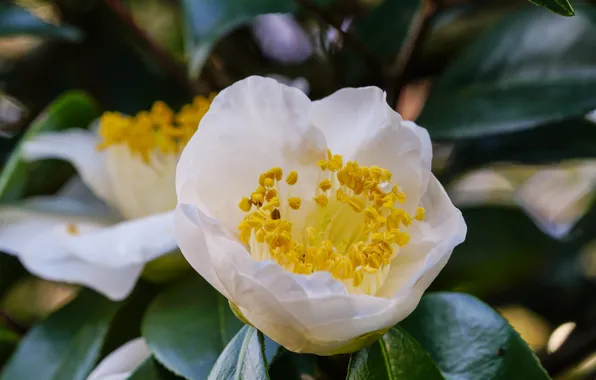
<point>102,238</point>
<point>120,364</point>
<point>321,222</point>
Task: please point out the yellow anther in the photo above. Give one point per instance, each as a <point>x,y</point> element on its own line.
<point>157,130</point>
<point>271,193</point>
<point>269,182</point>
<point>260,236</point>
<point>349,252</point>
<point>72,229</point>
<point>420,213</point>
<point>325,185</point>
<point>295,203</point>
<point>257,198</point>
<point>245,204</point>
<point>292,178</point>
<point>321,200</point>
<point>356,204</point>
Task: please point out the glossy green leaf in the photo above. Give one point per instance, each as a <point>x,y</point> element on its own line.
<point>395,356</point>
<point>503,247</point>
<point>385,29</point>
<point>531,68</point>
<point>209,20</point>
<point>151,370</point>
<point>469,340</point>
<point>561,7</point>
<point>188,325</point>
<point>243,358</point>
<point>67,344</point>
<point>15,20</point>
<point>73,109</point>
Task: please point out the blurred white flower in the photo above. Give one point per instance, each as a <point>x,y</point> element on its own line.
<point>281,38</point>
<point>319,251</point>
<point>556,198</point>
<point>484,186</point>
<point>120,364</point>
<point>102,233</point>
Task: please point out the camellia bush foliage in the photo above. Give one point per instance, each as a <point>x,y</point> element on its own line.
<point>295,189</point>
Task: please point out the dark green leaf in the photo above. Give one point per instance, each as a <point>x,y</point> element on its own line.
<point>385,29</point>
<point>66,344</point>
<point>242,359</point>
<point>502,248</point>
<point>393,357</point>
<point>209,20</point>
<point>15,20</point>
<point>469,340</point>
<point>8,341</point>
<point>551,143</point>
<point>151,370</point>
<point>561,7</point>
<point>188,325</point>
<point>73,109</point>
<point>531,68</point>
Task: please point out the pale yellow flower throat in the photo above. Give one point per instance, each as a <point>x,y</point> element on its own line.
<point>354,232</point>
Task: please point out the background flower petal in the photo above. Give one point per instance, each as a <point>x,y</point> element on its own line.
<point>120,363</point>
<point>79,148</point>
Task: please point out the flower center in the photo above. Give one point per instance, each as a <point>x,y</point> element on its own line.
<point>356,227</point>
<point>158,129</point>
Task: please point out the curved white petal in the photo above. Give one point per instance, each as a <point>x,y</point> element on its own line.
<point>251,126</point>
<point>359,124</point>
<point>557,198</point>
<point>121,363</point>
<point>99,253</point>
<point>79,148</point>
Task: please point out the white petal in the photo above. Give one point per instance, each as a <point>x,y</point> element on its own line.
<point>251,126</point>
<point>140,189</point>
<point>289,308</point>
<point>281,38</point>
<point>556,198</point>
<point>122,362</point>
<point>431,244</point>
<point>106,256</point>
<point>359,124</point>
<point>79,148</point>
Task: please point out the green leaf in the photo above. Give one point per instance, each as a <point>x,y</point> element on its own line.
<point>561,7</point>
<point>395,356</point>
<point>67,344</point>
<point>11,270</point>
<point>529,69</point>
<point>15,20</point>
<point>188,325</point>
<point>151,370</point>
<point>209,20</point>
<point>8,341</point>
<point>503,247</point>
<point>469,340</point>
<point>243,358</point>
<point>73,109</point>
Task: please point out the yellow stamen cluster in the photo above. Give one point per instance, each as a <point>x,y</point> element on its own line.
<point>368,193</point>
<point>157,129</point>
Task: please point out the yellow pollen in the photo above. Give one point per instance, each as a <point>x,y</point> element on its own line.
<point>245,204</point>
<point>354,235</point>
<point>321,200</point>
<point>72,229</point>
<point>295,203</point>
<point>292,178</point>
<point>420,213</point>
<point>325,185</point>
<point>156,130</point>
